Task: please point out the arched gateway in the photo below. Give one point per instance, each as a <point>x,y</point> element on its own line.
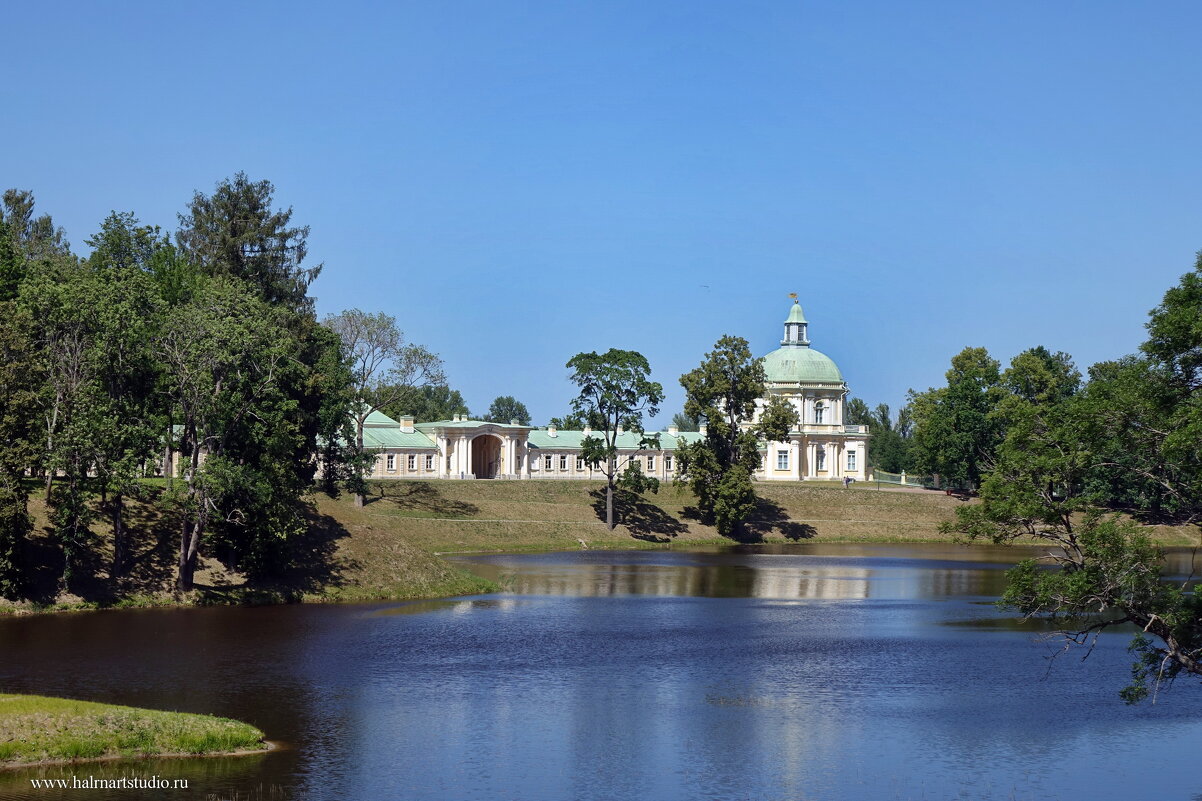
<point>486,456</point>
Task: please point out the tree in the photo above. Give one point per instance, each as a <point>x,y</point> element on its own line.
<point>615,390</point>
<point>427,403</point>
<point>574,421</point>
<point>227,355</point>
<point>955,433</point>
<point>723,392</point>
<point>1071,459</point>
<point>382,367</point>
<point>685,423</point>
<point>888,449</point>
<point>235,232</point>
<point>19,382</point>
<point>507,408</point>
<point>37,239</point>
<point>129,421</point>
<point>12,265</point>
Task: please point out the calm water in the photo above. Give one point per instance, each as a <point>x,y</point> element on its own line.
<point>803,672</point>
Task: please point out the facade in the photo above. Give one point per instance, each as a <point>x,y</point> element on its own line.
<point>822,447</point>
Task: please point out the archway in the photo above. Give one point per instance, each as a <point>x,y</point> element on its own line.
<point>486,456</point>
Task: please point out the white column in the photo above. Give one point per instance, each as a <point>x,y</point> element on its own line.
<point>811,457</point>
<point>795,458</point>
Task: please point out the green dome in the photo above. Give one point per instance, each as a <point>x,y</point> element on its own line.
<point>793,363</point>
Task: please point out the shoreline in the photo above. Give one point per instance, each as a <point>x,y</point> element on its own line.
<point>45,729</point>
<point>393,548</point>
<point>272,745</point>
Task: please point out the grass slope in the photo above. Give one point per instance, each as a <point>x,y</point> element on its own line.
<point>455,516</point>
<point>389,548</point>
<point>36,729</point>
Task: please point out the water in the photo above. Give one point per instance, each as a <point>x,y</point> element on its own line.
<point>798,672</point>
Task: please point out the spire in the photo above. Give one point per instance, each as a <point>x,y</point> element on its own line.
<point>796,326</point>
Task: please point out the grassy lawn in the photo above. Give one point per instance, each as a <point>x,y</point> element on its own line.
<point>37,729</point>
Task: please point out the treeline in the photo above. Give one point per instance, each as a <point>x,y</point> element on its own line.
<point>1127,436</point>
<point>196,357</point>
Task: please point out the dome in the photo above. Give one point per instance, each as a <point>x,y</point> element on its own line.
<point>793,363</point>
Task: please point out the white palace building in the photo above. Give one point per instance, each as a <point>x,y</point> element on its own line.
<point>821,448</point>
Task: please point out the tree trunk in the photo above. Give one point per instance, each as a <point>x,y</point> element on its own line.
<point>359,498</point>
<point>120,547</point>
<point>186,566</point>
<point>609,505</point>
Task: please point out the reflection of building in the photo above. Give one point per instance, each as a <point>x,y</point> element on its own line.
<point>821,447</point>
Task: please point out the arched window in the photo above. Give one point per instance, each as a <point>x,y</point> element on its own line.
<point>819,413</point>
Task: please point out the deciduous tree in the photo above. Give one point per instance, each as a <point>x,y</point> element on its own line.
<point>382,366</point>
<point>507,408</point>
<point>718,468</point>
<point>616,390</point>
<point>955,431</point>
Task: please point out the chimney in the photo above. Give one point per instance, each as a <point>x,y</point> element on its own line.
<point>619,430</point>
<point>587,429</point>
<point>551,431</point>
<point>513,421</point>
<point>701,430</point>
<point>673,430</point>
<point>407,423</point>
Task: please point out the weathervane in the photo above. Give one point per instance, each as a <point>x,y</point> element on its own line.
<point>794,296</point>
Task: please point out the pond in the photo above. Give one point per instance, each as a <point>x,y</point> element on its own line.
<point>794,672</point>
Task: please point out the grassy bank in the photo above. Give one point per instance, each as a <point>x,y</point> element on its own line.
<point>35,729</point>
<point>455,516</point>
<point>389,549</point>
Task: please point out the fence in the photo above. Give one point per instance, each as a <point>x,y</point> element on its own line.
<point>903,479</point>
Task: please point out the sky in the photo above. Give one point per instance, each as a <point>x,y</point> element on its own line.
<point>518,182</point>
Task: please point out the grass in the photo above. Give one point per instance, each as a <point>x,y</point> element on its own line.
<point>35,729</point>
<point>389,549</point>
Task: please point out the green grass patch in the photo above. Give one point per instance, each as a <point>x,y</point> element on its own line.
<point>36,729</point>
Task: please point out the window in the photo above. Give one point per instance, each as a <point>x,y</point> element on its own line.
<point>668,462</point>
<point>411,462</point>
<point>650,464</point>
<point>851,460</point>
<point>821,458</point>
<point>547,462</point>
<point>391,463</point>
<point>563,461</point>
<point>782,460</point>
<point>819,412</point>
<point>429,461</point>
<point>579,462</point>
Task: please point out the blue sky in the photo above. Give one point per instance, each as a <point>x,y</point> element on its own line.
<point>518,182</point>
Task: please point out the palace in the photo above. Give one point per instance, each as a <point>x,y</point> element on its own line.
<point>821,448</point>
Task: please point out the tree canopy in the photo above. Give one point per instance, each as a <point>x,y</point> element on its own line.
<point>723,392</point>
<point>505,409</point>
<point>616,390</point>
<point>1078,467</point>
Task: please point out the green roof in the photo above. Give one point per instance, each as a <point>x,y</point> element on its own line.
<point>464,424</point>
<point>396,438</point>
<point>800,363</point>
<point>627,440</point>
<point>378,418</point>
<point>795,314</point>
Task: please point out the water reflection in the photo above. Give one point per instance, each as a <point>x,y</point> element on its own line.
<point>821,673</point>
<point>851,573</point>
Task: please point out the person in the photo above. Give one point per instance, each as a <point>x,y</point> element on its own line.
<point>846,482</point>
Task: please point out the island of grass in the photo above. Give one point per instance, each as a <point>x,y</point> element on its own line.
<point>39,730</point>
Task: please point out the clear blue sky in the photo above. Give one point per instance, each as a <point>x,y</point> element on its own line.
<point>518,182</point>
